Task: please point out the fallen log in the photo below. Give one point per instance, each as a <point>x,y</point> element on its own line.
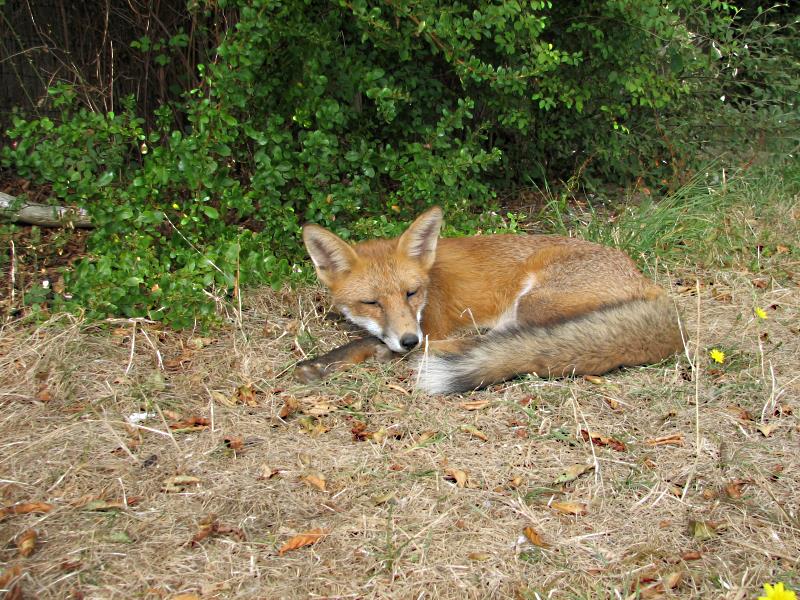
<point>44,215</point>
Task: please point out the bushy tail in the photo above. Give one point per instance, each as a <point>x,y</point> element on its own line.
<point>633,333</point>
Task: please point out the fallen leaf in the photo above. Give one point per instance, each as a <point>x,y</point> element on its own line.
<point>458,476</point>
<point>691,555</point>
<point>676,439</point>
<point>303,539</point>
<point>190,424</point>
<point>427,436</point>
<point>398,388</point>
<point>612,403</point>
<point>516,481</point>
<point>479,556</point>
<point>176,363</point>
<point>198,343</point>
<point>316,479</point>
<point>246,395</point>
<point>672,580</point>
<point>781,249</point>
<point>603,440</point>
<point>26,542</point>
<point>474,432</point>
<point>702,531</point>
<point>740,413</point>
<point>312,426</point>
<point>760,283</point>
<point>220,398</point>
<point>179,483</point>
<point>474,404</point>
<point>570,508</point>
<point>101,505</point>
<point>572,473</point>
<point>233,442</point>
<point>267,472</point>
<point>709,494</point>
<point>767,428</point>
<point>290,406</point>
<point>387,498</point>
<point>69,565</point>
<point>594,379</point>
<point>24,508</point>
<point>9,581</point>
<point>320,409</point>
<point>734,488</point>
<point>534,537</point>
<point>44,395</point>
<point>210,526</point>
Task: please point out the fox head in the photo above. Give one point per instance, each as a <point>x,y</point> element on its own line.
<point>380,285</point>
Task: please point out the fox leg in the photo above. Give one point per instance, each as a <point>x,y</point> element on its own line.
<point>341,358</point>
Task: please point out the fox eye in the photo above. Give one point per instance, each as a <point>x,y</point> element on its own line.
<point>411,293</point>
<point>370,302</point>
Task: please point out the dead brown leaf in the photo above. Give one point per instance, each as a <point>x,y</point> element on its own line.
<point>676,439</point>
<point>320,409</point>
<point>474,432</point>
<point>479,556</point>
<point>210,526</point>
<point>316,479</point>
<point>290,406</point>
<point>702,531</point>
<point>9,581</point>
<point>303,539</point>
<point>24,508</point>
<point>534,537</point>
<point>603,440</point>
<point>474,404</point>
<point>190,424</point>
<point>691,555</point>
<point>267,472</point>
<point>457,475</point>
<point>179,483</point>
<point>246,395</point>
<point>578,509</point>
<point>26,542</point>
<point>767,429</point>
<point>572,473</point>
<point>594,379</point>
<point>220,398</point>
<point>733,489</point>
<point>234,442</point>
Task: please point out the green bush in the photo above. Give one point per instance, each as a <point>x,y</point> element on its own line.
<point>357,115</point>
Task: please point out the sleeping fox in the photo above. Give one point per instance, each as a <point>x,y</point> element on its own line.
<point>554,306</point>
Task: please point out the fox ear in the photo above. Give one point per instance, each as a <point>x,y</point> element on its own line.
<point>419,240</point>
<point>330,254</point>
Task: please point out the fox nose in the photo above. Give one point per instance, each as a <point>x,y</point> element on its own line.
<point>409,341</point>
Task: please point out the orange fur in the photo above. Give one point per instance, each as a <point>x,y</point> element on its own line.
<point>564,305</point>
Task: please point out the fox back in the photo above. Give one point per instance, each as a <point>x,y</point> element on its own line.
<point>554,306</point>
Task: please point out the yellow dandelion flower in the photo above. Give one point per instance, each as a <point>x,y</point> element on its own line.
<point>717,355</point>
<point>760,313</point>
<point>777,592</point>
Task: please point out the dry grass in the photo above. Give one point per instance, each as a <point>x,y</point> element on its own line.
<point>398,523</point>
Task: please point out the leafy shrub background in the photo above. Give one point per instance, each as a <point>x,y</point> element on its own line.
<point>356,115</point>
